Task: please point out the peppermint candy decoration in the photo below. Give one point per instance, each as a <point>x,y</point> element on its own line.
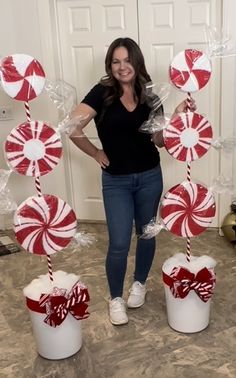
<point>190,70</point>
<point>22,77</point>
<point>188,136</point>
<point>33,148</point>
<point>44,225</point>
<point>187,209</point>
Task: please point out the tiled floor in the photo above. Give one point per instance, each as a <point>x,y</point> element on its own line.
<point>146,346</point>
<point>7,245</point>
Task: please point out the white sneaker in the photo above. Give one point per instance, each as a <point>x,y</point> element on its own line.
<point>137,295</point>
<point>117,311</point>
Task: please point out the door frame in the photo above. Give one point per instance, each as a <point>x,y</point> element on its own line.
<point>228,108</point>
<point>52,65</point>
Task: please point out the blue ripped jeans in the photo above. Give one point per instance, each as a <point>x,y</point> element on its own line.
<point>127,198</point>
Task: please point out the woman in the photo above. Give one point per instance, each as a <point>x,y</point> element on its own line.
<point>130,162</point>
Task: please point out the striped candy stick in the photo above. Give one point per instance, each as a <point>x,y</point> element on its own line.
<point>37,182</point>
<point>39,191</point>
<point>27,111</point>
<point>50,268</point>
<point>188,249</point>
<point>189,100</point>
<point>38,186</point>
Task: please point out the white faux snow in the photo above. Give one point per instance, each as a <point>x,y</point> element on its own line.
<point>43,285</point>
<point>196,263</point>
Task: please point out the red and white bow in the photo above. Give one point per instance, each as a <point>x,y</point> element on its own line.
<point>181,281</point>
<point>57,305</point>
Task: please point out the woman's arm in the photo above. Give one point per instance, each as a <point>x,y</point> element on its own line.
<point>84,113</point>
<point>157,139</point>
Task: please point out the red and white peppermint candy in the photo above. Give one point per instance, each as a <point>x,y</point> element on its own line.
<point>188,136</point>
<point>33,148</point>
<point>187,209</point>
<point>190,70</point>
<point>22,77</point>
<point>44,225</point>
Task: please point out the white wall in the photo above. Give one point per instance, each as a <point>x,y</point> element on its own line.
<point>20,33</point>
<point>20,27</point>
<point>228,105</point>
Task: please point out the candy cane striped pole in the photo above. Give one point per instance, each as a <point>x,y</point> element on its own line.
<point>27,111</point>
<point>38,186</point>
<point>189,100</point>
<point>188,171</point>
<point>50,268</point>
<point>37,182</point>
<point>39,191</point>
<point>188,250</point>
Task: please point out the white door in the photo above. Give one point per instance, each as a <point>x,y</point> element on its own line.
<point>166,28</point>
<point>163,28</point>
<point>85,30</point>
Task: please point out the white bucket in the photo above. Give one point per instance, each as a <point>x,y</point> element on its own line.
<point>63,340</point>
<point>59,342</point>
<point>189,314</point>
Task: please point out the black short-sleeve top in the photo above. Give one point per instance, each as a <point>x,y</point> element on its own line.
<point>128,149</point>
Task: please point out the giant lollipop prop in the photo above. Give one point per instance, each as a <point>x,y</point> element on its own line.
<point>44,224</point>
<point>187,209</point>
<point>189,135</point>
<point>32,148</point>
<point>23,79</point>
<point>190,70</point>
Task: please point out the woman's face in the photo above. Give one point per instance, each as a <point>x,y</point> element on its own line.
<point>121,68</point>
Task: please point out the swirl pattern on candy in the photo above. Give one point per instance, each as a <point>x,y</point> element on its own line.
<point>22,77</point>
<point>187,209</point>
<point>190,70</point>
<point>44,225</point>
<point>33,148</point>
<point>188,136</point>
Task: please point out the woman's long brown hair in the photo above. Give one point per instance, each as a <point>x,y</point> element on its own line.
<point>136,58</point>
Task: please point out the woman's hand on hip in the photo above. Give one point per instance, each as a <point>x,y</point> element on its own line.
<point>101,158</point>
